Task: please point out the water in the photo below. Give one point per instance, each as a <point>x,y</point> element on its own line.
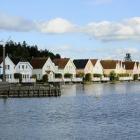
<point>91,112</point>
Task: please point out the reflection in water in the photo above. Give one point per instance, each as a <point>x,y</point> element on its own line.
<point>79,116</point>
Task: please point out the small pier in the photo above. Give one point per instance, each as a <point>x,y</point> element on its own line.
<point>28,90</point>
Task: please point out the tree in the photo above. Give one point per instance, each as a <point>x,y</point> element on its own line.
<point>23,50</point>
<point>113,76</point>
<point>88,77</point>
<point>18,76</point>
<point>68,75</point>
<point>80,75</point>
<point>128,57</point>
<point>45,78</point>
<point>135,77</point>
<point>58,75</point>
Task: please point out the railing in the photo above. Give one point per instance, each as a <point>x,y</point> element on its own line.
<point>125,78</point>
<point>105,79</point>
<point>96,79</point>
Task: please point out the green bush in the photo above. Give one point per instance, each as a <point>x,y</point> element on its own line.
<point>80,75</point>
<point>45,78</point>
<point>113,76</point>
<point>67,75</point>
<point>135,77</point>
<point>88,77</point>
<point>123,75</point>
<point>34,76</point>
<point>97,75</point>
<point>58,75</point>
<point>105,75</point>
<point>18,76</point>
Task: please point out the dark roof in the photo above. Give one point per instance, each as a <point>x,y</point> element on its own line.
<point>129,65</point>
<point>93,61</point>
<point>109,64</point>
<point>38,63</point>
<point>61,63</point>
<point>80,63</point>
<point>16,60</point>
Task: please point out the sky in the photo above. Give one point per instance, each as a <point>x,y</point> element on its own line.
<point>103,29</point>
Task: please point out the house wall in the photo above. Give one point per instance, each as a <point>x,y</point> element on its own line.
<point>25,69</point>
<point>70,68</point>
<point>50,69</point>
<point>38,73</point>
<point>98,69</point>
<point>118,70</point>
<point>10,70</point>
<point>88,68</point>
<point>139,69</point>
<point>48,66</point>
<point>135,70</point>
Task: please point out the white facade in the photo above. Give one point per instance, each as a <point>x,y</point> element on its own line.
<point>48,68</point>
<point>69,68</point>
<point>10,70</point>
<point>98,69</point>
<point>88,68</point>
<point>25,69</point>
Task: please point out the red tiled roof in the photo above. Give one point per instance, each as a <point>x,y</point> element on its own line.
<point>129,65</point>
<point>38,63</point>
<point>61,63</point>
<point>93,61</point>
<point>109,64</point>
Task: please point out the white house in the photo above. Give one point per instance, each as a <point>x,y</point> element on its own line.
<point>112,65</point>
<point>131,67</point>
<point>9,69</point>
<point>42,66</point>
<point>66,68</point>
<point>97,69</point>
<point>24,67</point>
<point>83,66</point>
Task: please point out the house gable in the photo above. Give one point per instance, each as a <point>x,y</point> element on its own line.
<point>89,67</point>
<point>70,67</point>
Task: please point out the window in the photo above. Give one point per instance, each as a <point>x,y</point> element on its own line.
<point>7,67</point>
<point>26,66</point>
<point>48,67</point>
<point>22,66</point>
<point>19,66</point>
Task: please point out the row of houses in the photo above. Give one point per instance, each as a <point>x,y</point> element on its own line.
<point>66,70</point>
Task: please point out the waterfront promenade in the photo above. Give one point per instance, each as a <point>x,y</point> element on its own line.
<point>29,90</point>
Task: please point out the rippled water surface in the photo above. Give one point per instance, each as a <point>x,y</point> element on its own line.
<point>90,112</point>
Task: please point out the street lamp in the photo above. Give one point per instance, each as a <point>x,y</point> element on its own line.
<point>4,77</point>
<point>4,67</point>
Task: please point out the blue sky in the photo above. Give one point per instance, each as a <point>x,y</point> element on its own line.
<point>75,28</point>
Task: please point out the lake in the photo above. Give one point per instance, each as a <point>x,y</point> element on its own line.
<point>83,112</point>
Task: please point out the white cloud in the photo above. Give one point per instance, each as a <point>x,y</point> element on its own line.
<point>128,29</point>
<point>56,26</point>
<point>13,23</point>
<point>110,31</point>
